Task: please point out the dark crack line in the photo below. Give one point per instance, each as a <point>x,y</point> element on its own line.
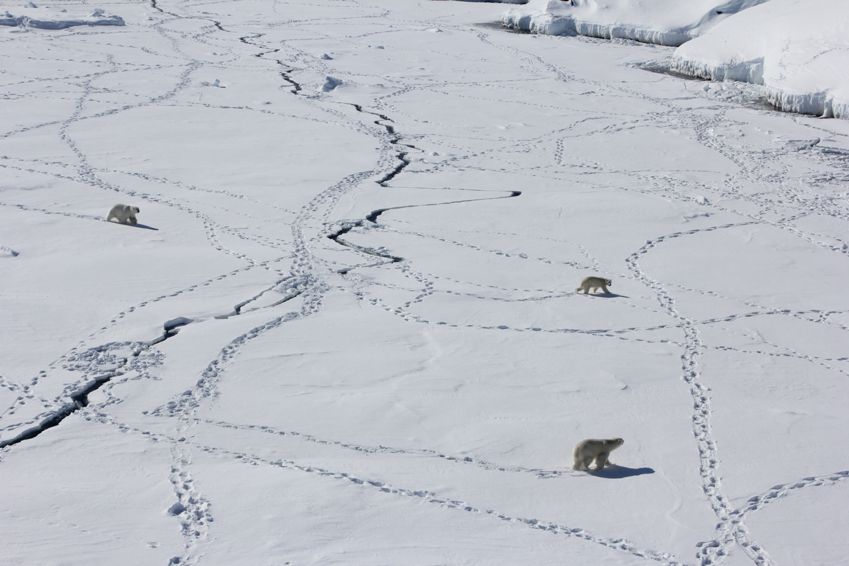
<point>154,5</point>
<point>373,215</point>
<point>396,139</point>
<point>79,397</point>
<point>287,76</point>
<point>347,227</point>
<point>298,287</point>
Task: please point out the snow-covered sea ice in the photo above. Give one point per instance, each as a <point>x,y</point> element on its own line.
<point>345,329</point>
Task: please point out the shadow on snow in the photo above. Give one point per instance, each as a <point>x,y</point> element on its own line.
<point>619,472</point>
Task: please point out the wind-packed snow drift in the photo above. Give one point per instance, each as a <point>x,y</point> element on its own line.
<point>797,49</point>
<point>662,22</point>
<point>32,16</point>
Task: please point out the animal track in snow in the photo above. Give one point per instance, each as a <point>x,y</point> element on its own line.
<point>379,486</point>
<point>303,284</point>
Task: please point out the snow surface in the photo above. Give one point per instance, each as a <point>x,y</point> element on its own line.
<point>798,49</point>
<point>345,329</point>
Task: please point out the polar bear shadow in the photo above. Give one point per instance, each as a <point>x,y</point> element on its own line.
<point>617,472</point>
<point>604,295</point>
<point>143,226</point>
<point>137,226</point>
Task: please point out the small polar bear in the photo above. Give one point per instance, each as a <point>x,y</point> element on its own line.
<point>593,283</point>
<point>594,449</point>
<point>123,213</point>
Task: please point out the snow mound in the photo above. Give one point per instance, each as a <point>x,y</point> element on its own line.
<point>43,18</point>
<point>331,83</point>
<point>797,49</point>
<point>650,21</point>
<point>8,252</point>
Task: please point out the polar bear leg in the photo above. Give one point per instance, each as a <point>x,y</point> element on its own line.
<point>116,212</point>
<point>601,460</point>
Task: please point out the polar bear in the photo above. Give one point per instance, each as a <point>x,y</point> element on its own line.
<point>592,283</point>
<point>123,213</point>
<point>593,449</point>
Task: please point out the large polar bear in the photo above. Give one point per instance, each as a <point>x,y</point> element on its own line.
<point>125,214</point>
<point>593,449</point>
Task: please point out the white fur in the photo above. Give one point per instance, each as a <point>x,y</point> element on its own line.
<point>593,283</point>
<point>123,213</point>
<point>594,449</point>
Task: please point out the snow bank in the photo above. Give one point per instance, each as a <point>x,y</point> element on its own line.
<point>43,18</point>
<point>798,49</point>
<point>663,22</point>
